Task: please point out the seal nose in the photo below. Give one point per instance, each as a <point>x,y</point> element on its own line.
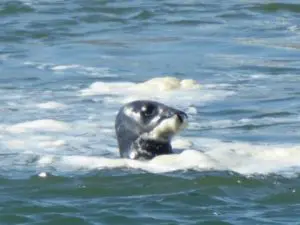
<point>182,116</point>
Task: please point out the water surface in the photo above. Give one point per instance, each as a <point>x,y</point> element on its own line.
<point>68,66</point>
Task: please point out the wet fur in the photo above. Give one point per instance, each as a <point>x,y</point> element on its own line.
<point>144,129</point>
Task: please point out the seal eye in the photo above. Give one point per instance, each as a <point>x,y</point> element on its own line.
<point>148,110</point>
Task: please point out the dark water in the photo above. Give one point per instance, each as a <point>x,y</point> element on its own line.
<point>245,118</point>
<point>150,199</point>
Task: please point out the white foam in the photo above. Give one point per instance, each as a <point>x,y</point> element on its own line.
<point>43,174</point>
<point>51,105</point>
<point>221,124</point>
<point>86,70</point>
<point>160,84</point>
<point>45,160</point>
<point>71,152</point>
<point>188,159</point>
<point>181,143</point>
<point>79,162</point>
<point>191,110</point>
<point>39,125</point>
<point>65,67</point>
<point>99,88</point>
<point>15,144</point>
<point>33,142</point>
<point>168,84</point>
<point>51,144</point>
<point>165,163</point>
<point>244,158</point>
<point>169,90</point>
<point>81,69</point>
<point>249,158</point>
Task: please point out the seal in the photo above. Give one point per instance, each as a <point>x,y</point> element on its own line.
<point>144,129</point>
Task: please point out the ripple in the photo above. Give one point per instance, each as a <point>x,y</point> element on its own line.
<point>143,15</point>
<point>231,65</point>
<point>202,198</point>
<point>273,114</point>
<point>285,197</point>
<point>39,125</point>
<point>12,218</point>
<point>64,219</point>
<point>15,8</point>
<point>274,7</point>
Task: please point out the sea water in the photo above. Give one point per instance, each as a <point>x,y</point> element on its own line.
<point>68,66</point>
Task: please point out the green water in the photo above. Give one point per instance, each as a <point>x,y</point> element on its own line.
<point>128,198</point>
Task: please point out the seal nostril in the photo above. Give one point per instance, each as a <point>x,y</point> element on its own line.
<point>181,116</point>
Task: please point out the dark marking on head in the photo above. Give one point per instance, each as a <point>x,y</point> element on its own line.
<point>144,129</point>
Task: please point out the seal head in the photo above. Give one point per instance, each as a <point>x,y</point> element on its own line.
<point>144,129</point>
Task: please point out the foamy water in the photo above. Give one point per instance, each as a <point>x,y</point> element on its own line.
<point>72,68</point>
<point>169,90</point>
<point>51,105</point>
<point>68,66</point>
<point>38,125</point>
<point>84,144</point>
<point>238,157</point>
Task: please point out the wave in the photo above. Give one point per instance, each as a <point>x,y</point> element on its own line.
<point>242,158</point>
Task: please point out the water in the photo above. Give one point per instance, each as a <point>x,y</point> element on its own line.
<point>68,66</point>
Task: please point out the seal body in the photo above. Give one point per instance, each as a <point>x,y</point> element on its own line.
<point>144,129</point>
